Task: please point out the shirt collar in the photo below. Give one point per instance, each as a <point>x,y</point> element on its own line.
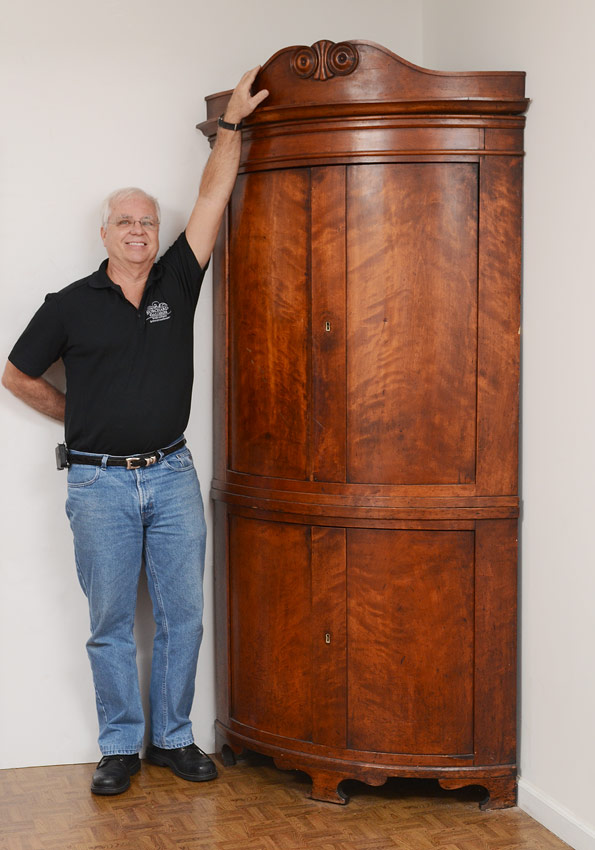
<point>101,280</point>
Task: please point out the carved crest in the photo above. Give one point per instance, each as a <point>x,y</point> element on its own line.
<point>324,60</point>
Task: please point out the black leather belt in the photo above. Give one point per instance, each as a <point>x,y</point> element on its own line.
<point>133,462</point>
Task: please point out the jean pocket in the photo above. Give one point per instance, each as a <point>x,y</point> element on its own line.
<point>81,475</point>
<point>179,461</point>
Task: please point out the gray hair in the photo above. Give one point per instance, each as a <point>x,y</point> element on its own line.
<point>123,195</point>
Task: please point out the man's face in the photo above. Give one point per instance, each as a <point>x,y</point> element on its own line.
<point>128,238</point>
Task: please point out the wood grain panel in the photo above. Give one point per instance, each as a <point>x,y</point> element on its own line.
<point>504,140</point>
<point>269,324</point>
<point>499,326</point>
<point>328,324</point>
<point>496,651</point>
<point>329,647</point>
<point>410,637</point>
<point>380,138</point>
<point>270,615</point>
<point>412,323</point>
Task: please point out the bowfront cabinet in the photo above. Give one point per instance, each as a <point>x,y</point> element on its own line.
<point>367,289</point>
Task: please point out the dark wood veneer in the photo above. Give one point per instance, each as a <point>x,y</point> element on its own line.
<point>367,281</point>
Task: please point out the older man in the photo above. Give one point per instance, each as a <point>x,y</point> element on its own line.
<point>125,334</point>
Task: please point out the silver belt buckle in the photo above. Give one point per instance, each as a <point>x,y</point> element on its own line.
<point>139,462</point>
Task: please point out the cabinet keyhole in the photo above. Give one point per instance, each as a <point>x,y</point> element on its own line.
<point>327,637</point>
<point>327,326</point>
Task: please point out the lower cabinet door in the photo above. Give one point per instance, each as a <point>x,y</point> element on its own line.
<point>410,622</point>
<point>353,638</point>
<point>270,626</point>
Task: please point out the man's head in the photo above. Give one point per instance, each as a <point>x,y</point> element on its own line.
<point>130,226</point>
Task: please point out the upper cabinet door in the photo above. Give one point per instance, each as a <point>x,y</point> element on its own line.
<point>412,323</point>
<point>353,324</point>
<point>269,332</point>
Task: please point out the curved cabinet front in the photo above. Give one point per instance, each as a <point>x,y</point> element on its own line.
<point>366,408</point>
<point>369,650</point>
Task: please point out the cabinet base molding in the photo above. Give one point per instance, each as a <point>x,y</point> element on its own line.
<point>327,774</point>
<point>501,789</point>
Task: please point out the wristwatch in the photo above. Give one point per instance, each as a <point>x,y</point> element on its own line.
<point>227,126</point>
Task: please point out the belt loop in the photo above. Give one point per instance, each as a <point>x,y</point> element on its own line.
<point>104,461</point>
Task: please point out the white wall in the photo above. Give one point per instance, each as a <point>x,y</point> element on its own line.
<point>95,96</point>
<point>553,42</point>
<point>99,95</point>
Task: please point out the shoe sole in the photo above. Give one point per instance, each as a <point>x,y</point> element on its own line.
<point>112,792</point>
<point>188,777</point>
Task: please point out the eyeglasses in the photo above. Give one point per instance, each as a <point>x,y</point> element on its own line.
<point>125,222</point>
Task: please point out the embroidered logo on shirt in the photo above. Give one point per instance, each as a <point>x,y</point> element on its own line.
<point>158,311</point>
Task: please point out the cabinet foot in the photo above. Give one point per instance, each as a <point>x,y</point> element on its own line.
<point>501,790</point>
<point>325,783</point>
<point>326,787</point>
<point>227,755</point>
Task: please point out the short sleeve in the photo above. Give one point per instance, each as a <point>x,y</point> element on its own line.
<point>42,342</point>
<point>182,263</point>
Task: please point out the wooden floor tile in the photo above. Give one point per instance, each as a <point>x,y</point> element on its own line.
<point>252,806</point>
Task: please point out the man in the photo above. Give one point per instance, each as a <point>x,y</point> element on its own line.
<point>125,335</point>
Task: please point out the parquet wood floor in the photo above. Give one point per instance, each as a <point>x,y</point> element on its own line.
<point>252,806</point>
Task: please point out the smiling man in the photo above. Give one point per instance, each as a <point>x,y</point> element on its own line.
<point>130,233</point>
<point>125,334</point>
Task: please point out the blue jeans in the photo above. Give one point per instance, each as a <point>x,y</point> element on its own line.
<point>120,517</point>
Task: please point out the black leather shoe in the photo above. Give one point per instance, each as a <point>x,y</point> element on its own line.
<point>113,773</point>
<point>187,762</point>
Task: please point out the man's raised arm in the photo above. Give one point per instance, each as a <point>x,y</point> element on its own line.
<point>221,171</point>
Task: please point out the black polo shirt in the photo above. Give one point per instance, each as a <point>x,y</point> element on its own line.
<point>129,371</point>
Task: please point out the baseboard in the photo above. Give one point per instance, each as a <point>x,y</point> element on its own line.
<point>555,817</point>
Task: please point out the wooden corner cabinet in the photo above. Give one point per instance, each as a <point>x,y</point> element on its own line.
<point>367,291</point>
